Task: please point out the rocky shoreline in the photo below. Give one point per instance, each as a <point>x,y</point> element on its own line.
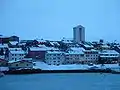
<point>34,71</point>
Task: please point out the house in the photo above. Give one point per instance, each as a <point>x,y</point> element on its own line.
<point>91,56</point>
<point>16,54</point>
<point>74,57</point>
<point>20,64</point>
<point>109,56</point>
<point>37,53</point>
<point>54,57</point>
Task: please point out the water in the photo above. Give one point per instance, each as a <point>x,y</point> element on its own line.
<point>73,81</point>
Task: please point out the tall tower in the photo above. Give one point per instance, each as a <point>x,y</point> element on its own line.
<point>79,34</point>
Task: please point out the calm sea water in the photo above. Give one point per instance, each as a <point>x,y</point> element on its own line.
<point>73,81</point>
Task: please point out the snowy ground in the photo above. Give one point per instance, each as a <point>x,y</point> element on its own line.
<point>4,68</point>
<point>44,66</point>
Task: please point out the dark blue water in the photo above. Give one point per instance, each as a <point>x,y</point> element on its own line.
<point>61,82</point>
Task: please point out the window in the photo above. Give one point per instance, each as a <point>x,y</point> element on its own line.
<point>58,57</point>
<point>27,65</point>
<point>82,55</point>
<point>87,55</point>
<point>16,64</point>
<point>21,54</point>
<point>12,54</point>
<point>15,54</point>
<point>54,58</point>
<point>15,59</point>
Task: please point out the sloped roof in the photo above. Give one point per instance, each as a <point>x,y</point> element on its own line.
<point>37,49</point>
<point>108,52</point>
<point>13,42</point>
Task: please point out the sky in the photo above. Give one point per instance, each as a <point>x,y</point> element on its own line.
<point>55,19</point>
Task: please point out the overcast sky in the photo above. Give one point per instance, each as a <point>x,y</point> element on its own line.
<point>54,19</point>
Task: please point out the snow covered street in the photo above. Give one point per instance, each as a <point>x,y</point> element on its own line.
<point>44,66</point>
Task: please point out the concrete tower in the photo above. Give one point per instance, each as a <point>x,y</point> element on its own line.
<point>79,34</point>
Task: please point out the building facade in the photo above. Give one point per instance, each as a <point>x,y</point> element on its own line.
<point>16,54</point>
<point>74,57</point>
<point>109,56</point>
<point>91,56</point>
<point>37,53</point>
<point>54,57</point>
<point>79,34</point>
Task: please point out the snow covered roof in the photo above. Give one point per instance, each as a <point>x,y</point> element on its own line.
<point>3,45</point>
<point>52,48</point>
<point>105,46</point>
<point>55,52</point>
<point>41,40</point>
<point>92,50</point>
<point>17,52</point>
<point>13,42</point>
<point>27,59</point>
<point>74,52</point>
<point>77,48</point>
<point>37,49</point>
<point>15,49</point>
<point>108,52</point>
<point>88,46</point>
<point>108,56</point>
<point>53,43</point>
<point>41,46</point>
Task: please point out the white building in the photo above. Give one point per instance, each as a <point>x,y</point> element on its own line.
<point>79,34</point>
<point>91,56</point>
<point>16,54</point>
<point>75,55</point>
<point>54,57</point>
<point>109,56</point>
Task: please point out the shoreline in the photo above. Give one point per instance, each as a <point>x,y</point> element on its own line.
<point>35,71</point>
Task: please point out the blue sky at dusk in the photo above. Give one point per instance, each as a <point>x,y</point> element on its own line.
<point>54,19</point>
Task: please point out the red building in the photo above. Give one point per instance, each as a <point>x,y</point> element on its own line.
<point>37,53</point>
